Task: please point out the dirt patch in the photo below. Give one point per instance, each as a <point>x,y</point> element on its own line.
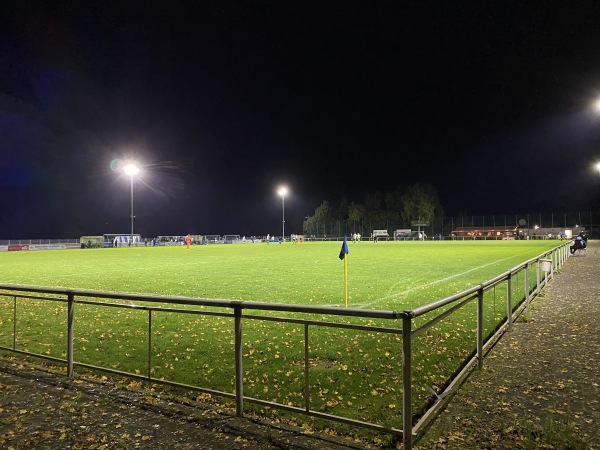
<point>42,410</point>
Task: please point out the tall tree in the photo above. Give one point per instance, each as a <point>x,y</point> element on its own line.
<point>323,211</point>
<point>356,212</point>
<point>419,203</point>
<point>342,211</point>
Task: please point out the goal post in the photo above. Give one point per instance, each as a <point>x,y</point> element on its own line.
<point>213,239</point>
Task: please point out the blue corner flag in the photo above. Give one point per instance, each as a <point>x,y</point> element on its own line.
<point>344,251</point>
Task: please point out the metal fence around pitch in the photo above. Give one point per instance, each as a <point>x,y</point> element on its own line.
<point>492,306</point>
<point>38,241</point>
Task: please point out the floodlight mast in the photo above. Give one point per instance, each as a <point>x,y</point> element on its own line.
<point>132,170</point>
<point>283,190</point>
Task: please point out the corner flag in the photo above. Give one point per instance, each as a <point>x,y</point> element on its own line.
<point>343,252</point>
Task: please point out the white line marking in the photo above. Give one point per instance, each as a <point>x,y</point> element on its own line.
<point>420,286</point>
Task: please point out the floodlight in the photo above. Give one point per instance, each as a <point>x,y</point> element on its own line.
<point>131,169</point>
<point>282,191</point>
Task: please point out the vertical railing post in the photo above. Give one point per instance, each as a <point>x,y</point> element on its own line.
<point>559,259</point>
<point>526,284</point>
<point>239,374</point>
<point>480,325</point>
<point>306,368</point>
<point>509,314</point>
<point>407,380</point>
<point>15,322</point>
<point>537,275</point>
<point>70,332</point>
<point>149,344</point>
<point>561,255</point>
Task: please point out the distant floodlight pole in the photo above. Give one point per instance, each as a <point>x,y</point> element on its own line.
<point>283,190</point>
<point>132,170</point>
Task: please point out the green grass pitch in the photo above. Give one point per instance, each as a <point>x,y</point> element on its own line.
<point>386,275</point>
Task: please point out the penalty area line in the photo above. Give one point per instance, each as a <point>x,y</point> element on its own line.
<point>431,283</point>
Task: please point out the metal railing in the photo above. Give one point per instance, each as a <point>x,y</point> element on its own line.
<point>37,241</point>
<point>409,325</point>
<point>514,306</point>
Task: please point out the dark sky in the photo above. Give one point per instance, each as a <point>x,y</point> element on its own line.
<point>221,101</point>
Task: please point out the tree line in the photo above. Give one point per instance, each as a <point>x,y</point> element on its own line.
<point>399,209</point>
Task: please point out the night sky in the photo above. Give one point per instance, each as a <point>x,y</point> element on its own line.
<point>221,101</point>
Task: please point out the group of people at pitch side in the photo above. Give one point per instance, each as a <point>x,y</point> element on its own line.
<point>580,243</point>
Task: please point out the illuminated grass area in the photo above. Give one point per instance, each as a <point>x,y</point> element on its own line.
<point>386,275</point>
<point>353,373</point>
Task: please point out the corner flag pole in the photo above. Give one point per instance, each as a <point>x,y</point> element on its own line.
<point>346,281</point>
<point>343,256</point>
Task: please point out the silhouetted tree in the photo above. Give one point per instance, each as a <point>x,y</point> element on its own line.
<point>419,203</point>
<point>356,212</point>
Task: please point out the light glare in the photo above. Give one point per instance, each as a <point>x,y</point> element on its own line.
<point>131,169</point>
<point>283,191</point>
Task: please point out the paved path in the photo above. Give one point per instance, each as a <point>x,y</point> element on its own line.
<point>540,387</point>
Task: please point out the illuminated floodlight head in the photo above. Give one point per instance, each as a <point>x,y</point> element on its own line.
<point>282,191</point>
<point>597,166</point>
<point>131,169</point>
<point>536,227</point>
<point>597,105</point>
